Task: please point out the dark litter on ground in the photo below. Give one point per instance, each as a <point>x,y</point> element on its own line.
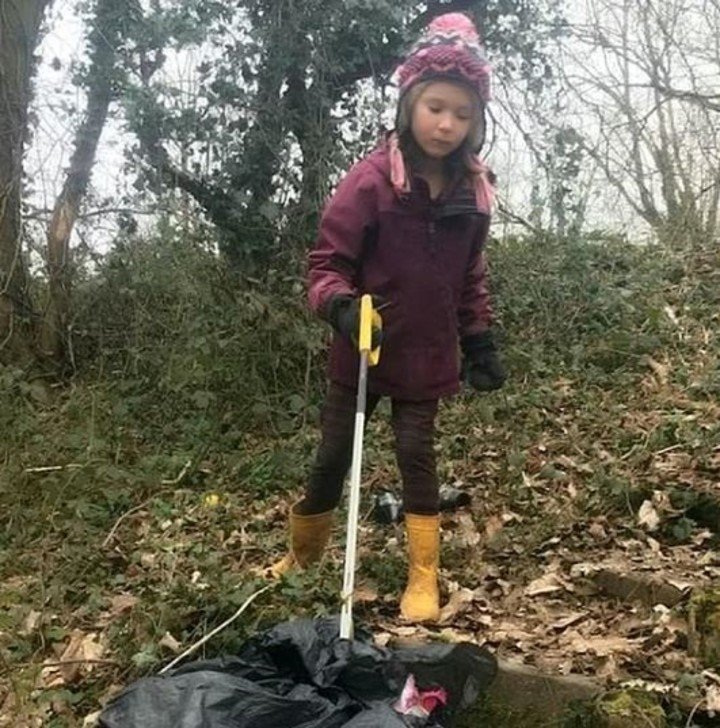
<point>300,674</point>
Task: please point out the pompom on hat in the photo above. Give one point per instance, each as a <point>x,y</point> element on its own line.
<point>449,48</point>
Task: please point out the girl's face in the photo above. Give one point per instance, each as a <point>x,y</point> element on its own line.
<point>442,117</point>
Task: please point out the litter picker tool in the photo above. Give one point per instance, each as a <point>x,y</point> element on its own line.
<point>369,319</point>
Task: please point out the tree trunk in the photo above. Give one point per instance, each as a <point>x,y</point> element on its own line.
<point>19,34</point>
<point>103,40</point>
<point>310,120</point>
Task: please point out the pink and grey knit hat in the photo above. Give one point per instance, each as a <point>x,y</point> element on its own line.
<point>449,48</point>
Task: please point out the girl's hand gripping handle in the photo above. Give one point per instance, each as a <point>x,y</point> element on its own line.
<point>369,319</point>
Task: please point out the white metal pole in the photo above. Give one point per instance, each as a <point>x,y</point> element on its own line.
<point>346,623</point>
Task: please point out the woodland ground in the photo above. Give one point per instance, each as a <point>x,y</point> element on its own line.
<point>142,497</point>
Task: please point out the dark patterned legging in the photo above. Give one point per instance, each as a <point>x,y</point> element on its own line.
<point>414,426</point>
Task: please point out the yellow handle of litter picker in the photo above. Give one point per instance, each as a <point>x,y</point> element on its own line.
<point>369,319</point>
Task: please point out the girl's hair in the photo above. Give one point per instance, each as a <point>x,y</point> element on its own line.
<point>460,164</point>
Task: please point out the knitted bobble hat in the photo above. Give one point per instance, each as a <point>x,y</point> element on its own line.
<point>449,48</point>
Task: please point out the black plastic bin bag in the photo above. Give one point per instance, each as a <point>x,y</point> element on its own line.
<point>300,674</point>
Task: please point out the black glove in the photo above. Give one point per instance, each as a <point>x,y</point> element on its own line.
<point>482,367</point>
<point>343,312</point>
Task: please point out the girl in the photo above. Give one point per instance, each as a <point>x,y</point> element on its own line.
<point>408,225</point>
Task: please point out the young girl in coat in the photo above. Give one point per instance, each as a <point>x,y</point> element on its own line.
<point>407,224</point>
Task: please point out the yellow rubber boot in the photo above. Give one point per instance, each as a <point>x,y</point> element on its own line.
<point>421,600</point>
<point>309,536</point>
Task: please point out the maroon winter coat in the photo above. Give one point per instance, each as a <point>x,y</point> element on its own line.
<point>423,257</point>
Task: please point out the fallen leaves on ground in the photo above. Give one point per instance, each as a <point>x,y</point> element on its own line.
<point>78,657</point>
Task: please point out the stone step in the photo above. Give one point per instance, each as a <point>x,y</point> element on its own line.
<point>635,587</point>
<point>524,687</point>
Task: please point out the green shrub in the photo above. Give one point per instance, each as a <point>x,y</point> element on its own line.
<point>570,305</point>
<point>192,350</point>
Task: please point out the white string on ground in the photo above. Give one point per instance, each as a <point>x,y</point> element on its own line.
<point>217,629</point>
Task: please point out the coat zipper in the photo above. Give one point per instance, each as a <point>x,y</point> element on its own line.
<point>446,293</point>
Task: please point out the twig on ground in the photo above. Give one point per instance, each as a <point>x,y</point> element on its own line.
<point>53,468</point>
<point>695,709</point>
<point>63,663</point>
<point>672,448</point>
<point>181,475</point>
<point>113,530</point>
<point>217,629</point>
<point>173,481</point>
